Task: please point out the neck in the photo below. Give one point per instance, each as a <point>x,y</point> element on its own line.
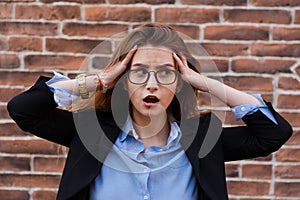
<point>154,133</point>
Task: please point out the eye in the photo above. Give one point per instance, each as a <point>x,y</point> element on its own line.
<point>165,72</point>
<point>141,72</point>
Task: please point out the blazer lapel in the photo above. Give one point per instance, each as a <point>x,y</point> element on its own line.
<point>204,153</point>
<point>96,135</point>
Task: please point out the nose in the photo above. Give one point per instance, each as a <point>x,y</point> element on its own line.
<point>152,82</point>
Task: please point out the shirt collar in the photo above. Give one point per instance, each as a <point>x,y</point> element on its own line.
<point>129,130</point>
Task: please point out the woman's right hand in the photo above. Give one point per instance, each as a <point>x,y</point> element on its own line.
<point>109,75</point>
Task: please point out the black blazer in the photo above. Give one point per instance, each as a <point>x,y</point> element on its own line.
<point>36,112</point>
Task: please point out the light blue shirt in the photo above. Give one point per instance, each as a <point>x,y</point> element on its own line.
<point>158,173</point>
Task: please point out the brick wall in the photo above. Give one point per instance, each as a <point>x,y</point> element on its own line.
<point>255,44</point>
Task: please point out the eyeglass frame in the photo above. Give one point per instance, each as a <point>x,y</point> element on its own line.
<point>155,76</point>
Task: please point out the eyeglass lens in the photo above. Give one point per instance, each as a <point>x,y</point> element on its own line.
<point>163,76</point>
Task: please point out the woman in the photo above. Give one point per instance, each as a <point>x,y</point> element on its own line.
<point>158,147</point>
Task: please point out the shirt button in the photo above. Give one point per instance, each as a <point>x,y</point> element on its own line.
<point>146,196</point>
<point>146,170</point>
<point>243,108</point>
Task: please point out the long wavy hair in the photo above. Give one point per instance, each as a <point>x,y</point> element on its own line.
<point>155,35</point>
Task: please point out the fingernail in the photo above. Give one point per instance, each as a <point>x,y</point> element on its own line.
<point>135,46</point>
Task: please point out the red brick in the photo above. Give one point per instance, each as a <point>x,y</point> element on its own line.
<point>21,78</point>
<point>288,83</point>
<point>28,28</point>
<point>251,198</point>
<point>188,31</point>
<point>296,70</point>
<point>49,181</point>
<point>214,66</point>
<point>25,44</point>
<point>215,2</point>
<point>4,44</point>
<point>47,12</point>
<point>128,14</point>
<point>248,188</point>
<point>11,129</point>
<point>93,30</point>
<point>231,120</point>
<point>232,170</point>
<point>78,46</point>
<point>8,61</point>
<point>262,65</point>
<point>76,1</point>
<point>188,15</point>
<point>295,139</point>
<point>289,101</point>
<point>14,195</point>
<point>286,33</point>
<point>266,158</point>
<point>257,171</point>
<point>287,171</point>
<point>4,113</point>
<point>10,1</point>
<point>7,93</point>
<point>258,16</point>
<point>15,163</point>
<point>224,49</point>
<point>293,118</point>
<point>44,195</point>
<point>287,50</point>
<point>142,1</point>
<point>297,17</point>
<point>6,11</point>
<point>205,99</point>
<point>53,62</point>
<point>268,97</point>
<point>29,147</point>
<point>287,189</point>
<point>250,83</point>
<point>236,33</point>
<point>48,164</point>
<point>275,3</point>
<point>288,155</point>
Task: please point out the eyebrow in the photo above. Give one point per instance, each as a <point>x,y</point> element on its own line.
<point>157,66</point>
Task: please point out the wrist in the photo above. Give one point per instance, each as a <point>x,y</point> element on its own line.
<point>82,86</point>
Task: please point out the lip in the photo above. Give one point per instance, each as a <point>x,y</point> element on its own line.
<point>151,104</point>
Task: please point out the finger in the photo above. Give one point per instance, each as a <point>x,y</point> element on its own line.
<point>129,56</point>
<point>183,58</point>
<point>118,68</point>
<point>179,61</point>
<point>121,66</point>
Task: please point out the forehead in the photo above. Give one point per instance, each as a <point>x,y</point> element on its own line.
<point>153,55</point>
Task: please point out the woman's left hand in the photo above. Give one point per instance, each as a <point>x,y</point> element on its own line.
<point>190,76</point>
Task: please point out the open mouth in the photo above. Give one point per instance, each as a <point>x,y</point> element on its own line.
<point>151,99</point>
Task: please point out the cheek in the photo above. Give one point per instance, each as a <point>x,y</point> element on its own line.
<point>133,92</point>
<point>169,94</point>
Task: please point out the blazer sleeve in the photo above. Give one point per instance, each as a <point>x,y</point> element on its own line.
<point>260,137</point>
<point>35,111</point>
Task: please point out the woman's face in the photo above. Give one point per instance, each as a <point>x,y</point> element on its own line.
<point>151,99</point>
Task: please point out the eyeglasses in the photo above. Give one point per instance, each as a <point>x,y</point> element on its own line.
<point>162,76</point>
